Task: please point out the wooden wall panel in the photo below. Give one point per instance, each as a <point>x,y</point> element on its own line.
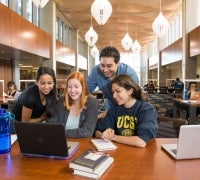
<point>65,54</point>
<point>172,53</point>
<point>194,42</point>
<point>28,37</point>
<point>6,72</point>
<point>18,33</point>
<point>5,28</point>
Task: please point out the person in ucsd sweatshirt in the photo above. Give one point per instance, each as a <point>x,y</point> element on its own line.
<point>132,121</point>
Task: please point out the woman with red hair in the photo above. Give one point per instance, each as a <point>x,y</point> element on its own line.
<point>77,109</point>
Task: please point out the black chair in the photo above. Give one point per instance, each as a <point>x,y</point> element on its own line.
<point>169,127</point>
<point>150,90</point>
<point>163,90</point>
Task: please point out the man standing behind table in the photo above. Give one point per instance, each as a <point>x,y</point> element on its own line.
<point>103,73</point>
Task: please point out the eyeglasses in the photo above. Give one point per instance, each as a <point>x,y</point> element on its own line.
<point>193,86</point>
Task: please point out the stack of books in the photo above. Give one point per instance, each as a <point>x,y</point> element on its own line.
<point>91,164</point>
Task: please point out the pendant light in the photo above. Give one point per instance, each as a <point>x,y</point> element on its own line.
<point>101,11</point>
<point>91,36</point>
<point>160,25</point>
<point>94,51</point>
<point>40,3</point>
<point>136,47</point>
<point>127,42</point>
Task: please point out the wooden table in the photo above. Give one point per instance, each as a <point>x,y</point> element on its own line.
<point>192,108</point>
<point>130,163</point>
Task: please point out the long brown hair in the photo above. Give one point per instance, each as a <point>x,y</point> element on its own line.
<point>127,82</point>
<point>85,92</point>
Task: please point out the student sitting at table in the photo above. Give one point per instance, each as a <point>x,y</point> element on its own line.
<point>133,121</point>
<point>12,89</point>
<point>182,106</point>
<point>77,109</point>
<point>192,88</point>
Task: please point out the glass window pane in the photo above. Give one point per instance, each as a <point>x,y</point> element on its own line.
<point>5,2</point>
<point>29,10</point>
<point>17,6</point>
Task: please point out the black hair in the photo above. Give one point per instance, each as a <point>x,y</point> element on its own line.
<point>190,83</point>
<point>110,51</point>
<point>178,79</point>
<point>11,83</point>
<point>51,98</point>
<point>127,82</point>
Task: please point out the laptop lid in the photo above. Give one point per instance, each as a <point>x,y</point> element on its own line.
<point>44,140</point>
<point>188,146</point>
<point>195,95</point>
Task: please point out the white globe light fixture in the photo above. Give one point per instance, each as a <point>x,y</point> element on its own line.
<point>160,25</point>
<point>91,36</point>
<point>94,51</point>
<point>127,42</point>
<point>101,11</point>
<point>40,3</point>
<point>136,47</point>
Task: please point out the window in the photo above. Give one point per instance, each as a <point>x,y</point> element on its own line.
<point>5,2</point>
<point>29,10</point>
<point>17,6</point>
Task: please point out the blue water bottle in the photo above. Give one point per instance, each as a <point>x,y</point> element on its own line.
<point>5,141</point>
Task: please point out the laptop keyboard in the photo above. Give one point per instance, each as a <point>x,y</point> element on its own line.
<point>174,150</point>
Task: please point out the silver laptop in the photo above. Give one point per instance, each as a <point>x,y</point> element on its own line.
<point>188,146</point>
<point>44,140</point>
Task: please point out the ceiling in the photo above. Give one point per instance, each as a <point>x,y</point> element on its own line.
<point>132,16</point>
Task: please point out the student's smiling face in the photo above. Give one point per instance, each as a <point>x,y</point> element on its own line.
<point>120,94</point>
<point>108,67</point>
<point>74,89</point>
<point>45,84</point>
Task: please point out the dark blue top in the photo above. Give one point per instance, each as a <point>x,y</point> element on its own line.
<point>139,120</point>
<point>179,84</point>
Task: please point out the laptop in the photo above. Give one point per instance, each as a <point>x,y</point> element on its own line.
<point>188,146</point>
<point>195,95</point>
<point>44,140</point>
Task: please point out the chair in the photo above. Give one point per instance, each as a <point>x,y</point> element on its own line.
<point>150,90</point>
<point>178,93</point>
<point>169,127</point>
<point>163,90</point>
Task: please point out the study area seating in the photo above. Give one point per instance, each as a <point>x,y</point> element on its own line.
<point>178,93</point>
<point>163,90</point>
<point>169,127</point>
<point>150,90</point>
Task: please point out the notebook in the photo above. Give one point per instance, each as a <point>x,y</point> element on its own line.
<point>195,95</point>
<point>44,140</point>
<point>188,146</point>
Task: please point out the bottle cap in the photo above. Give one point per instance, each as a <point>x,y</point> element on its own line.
<point>2,112</point>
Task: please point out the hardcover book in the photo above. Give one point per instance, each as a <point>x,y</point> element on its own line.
<point>103,145</point>
<point>88,161</point>
<point>98,172</point>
